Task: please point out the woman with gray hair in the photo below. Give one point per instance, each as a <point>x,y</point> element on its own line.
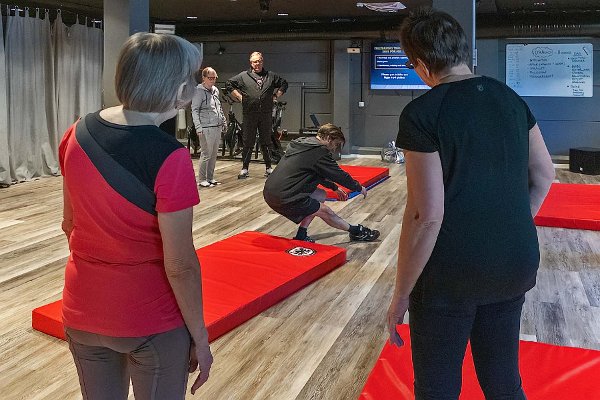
<point>477,172</point>
<point>132,300</point>
<point>209,121</point>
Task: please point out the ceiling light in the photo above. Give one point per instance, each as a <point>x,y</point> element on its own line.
<point>164,28</point>
<point>192,17</point>
<point>220,50</point>
<point>283,14</point>
<point>393,6</point>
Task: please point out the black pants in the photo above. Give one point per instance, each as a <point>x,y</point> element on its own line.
<point>439,338</point>
<point>252,122</point>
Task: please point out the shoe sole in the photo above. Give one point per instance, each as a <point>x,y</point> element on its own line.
<point>308,239</point>
<point>371,238</point>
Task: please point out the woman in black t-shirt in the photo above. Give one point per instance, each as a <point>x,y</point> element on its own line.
<point>477,172</point>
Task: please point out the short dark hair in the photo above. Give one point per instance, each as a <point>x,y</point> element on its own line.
<point>330,131</point>
<point>436,38</point>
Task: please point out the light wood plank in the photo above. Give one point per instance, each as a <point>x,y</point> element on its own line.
<point>321,342</point>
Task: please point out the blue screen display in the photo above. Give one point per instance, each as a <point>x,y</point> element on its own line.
<point>388,70</point>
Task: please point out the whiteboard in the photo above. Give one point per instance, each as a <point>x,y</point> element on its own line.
<point>554,70</point>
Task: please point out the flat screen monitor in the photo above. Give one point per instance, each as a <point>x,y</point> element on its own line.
<point>388,69</point>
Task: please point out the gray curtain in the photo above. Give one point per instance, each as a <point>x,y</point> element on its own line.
<point>31,105</point>
<point>4,163</point>
<point>78,71</point>
<point>53,76</point>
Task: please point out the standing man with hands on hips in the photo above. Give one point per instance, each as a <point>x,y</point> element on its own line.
<point>256,88</point>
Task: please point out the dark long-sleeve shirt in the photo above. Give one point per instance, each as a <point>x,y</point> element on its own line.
<point>257,90</point>
<point>306,164</point>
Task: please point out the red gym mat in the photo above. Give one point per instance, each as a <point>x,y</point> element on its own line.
<point>241,276</point>
<point>574,206</point>
<point>548,372</point>
<point>367,176</point>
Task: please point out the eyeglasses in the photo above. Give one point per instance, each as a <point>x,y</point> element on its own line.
<point>211,78</point>
<point>409,65</point>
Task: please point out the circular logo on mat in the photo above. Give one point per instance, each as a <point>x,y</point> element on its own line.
<point>301,252</point>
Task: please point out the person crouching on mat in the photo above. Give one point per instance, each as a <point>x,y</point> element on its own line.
<point>291,190</point>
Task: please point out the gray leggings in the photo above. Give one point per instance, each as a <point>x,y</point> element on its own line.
<point>209,142</point>
<point>157,364</point>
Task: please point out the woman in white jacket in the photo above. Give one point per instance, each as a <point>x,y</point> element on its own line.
<point>209,121</point>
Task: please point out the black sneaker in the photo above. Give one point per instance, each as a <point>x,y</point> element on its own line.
<point>365,235</point>
<point>243,175</point>
<point>306,239</point>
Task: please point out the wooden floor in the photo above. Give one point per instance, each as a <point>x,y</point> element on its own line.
<point>321,342</point>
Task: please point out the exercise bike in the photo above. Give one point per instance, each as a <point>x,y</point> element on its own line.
<point>276,135</point>
<point>193,141</point>
<point>275,148</point>
<point>392,154</point>
<point>232,135</point>
<point>233,138</point>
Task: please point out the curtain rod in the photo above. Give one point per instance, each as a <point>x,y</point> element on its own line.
<point>57,11</point>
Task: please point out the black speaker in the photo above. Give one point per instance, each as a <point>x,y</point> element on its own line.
<point>585,160</point>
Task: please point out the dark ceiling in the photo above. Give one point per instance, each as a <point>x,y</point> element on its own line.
<point>222,17</point>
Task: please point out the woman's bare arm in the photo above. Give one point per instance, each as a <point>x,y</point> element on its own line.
<point>541,170</point>
<point>183,271</point>
<point>67,222</point>
<point>420,228</point>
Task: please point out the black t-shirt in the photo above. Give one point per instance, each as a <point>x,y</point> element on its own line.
<point>487,249</point>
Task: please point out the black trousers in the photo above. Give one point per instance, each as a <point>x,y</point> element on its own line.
<point>253,122</point>
<point>439,338</point>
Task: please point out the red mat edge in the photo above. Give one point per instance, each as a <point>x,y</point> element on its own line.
<point>246,312</point>
<point>561,222</point>
<point>379,178</point>
<point>374,380</point>
<point>556,222</point>
<point>39,316</point>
